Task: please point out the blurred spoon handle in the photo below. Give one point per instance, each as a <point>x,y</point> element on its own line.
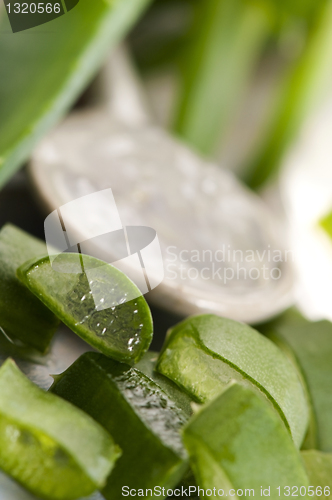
<point>122,91</point>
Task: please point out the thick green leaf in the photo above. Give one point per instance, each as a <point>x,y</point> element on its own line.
<point>204,353</point>
<point>147,365</point>
<point>22,315</point>
<point>49,446</point>
<point>311,345</point>
<point>122,330</point>
<point>319,469</point>
<point>238,442</point>
<point>131,406</point>
<point>44,69</point>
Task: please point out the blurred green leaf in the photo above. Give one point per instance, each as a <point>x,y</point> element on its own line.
<point>319,469</point>
<point>311,345</point>
<point>159,38</point>
<point>326,224</point>
<point>225,45</point>
<point>306,80</point>
<point>44,69</point>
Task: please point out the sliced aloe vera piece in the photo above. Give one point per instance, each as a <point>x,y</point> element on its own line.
<point>204,353</point>
<point>123,331</point>
<point>49,446</point>
<point>132,407</point>
<point>237,441</point>
<point>319,469</point>
<point>22,315</point>
<point>311,346</point>
<point>11,490</point>
<point>147,365</point>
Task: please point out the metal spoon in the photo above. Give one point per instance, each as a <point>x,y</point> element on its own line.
<point>221,248</point>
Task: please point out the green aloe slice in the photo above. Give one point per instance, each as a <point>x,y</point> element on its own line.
<point>49,446</point>
<point>238,442</point>
<point>204,353</point>
<point>132,407</point>
<point>22,315</point>
<point>147,365</point>
<point>123,331</point>
<point>310,344</point>
<point>319,469</point>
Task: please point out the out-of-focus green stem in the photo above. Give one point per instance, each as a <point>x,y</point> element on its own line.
<point>227,41</point>
<point>300,91</point>
<point>326,224</point>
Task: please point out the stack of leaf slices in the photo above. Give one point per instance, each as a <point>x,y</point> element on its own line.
<point>223,408</point>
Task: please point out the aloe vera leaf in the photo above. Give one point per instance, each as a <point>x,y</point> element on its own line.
<point>301,89</point>
<point>11,490</point>
<point>44,70</point>
<point>319,469</point>
<point>22,315</point>
<point>147,365</point>
<point>131,406</point>
<point>326,224</point>
<point>227,41</point>
<point>123,331</point>
<point>52,448</point>
<point>311,345</point>
<point>237,441</point>
<point>204,353</point>
<point>311,440</point>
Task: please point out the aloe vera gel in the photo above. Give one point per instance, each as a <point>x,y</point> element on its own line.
<point>122,329</point>
<point>138,412</point>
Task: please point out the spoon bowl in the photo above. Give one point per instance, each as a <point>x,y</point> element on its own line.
<point>221,248</point>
